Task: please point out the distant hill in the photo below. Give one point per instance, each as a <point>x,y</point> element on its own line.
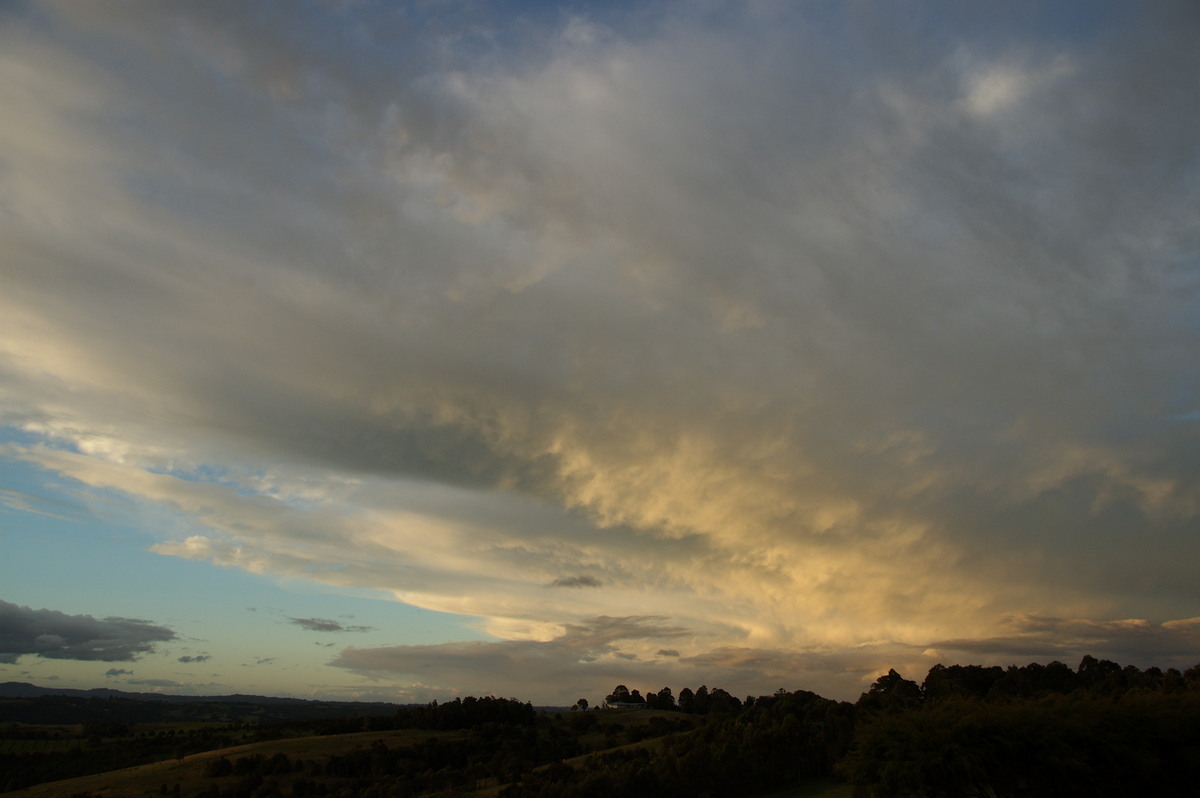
<point>26,690</point>
<point>21,702</point>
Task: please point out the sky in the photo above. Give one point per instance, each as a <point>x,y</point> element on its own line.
<point>406,350</point>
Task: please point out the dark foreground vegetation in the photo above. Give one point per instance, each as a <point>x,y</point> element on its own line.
<point>1038,730</point>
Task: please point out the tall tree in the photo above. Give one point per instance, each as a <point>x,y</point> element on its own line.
<point>619,695</point>
<point>891,692</point>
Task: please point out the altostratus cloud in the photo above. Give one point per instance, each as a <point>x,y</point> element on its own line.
<point>55,635</point>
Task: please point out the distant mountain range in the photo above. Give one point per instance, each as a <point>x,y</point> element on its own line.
<point>26,690</point>
<point>21,702</point>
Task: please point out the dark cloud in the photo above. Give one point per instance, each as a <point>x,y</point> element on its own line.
<point>667,652</point>
<point>576,581</point>
<point>327,625</point>
<point>113,672</point>
<point>56,635</point>
<point>1129,642</point>
<point>187,658</point>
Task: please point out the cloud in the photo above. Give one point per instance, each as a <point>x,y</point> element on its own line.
<point>24,502</point>
<point>326,625</point>
<point>113,672</point>
<point>592,652</point>
<point>55,635</point>
<point>1132,642</point>
<point>601,652</point>
<point>576,581</point>
<point>747,320</point>
<point>188,658</point>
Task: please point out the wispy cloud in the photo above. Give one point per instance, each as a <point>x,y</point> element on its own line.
<point>327,625</point>
<point>38,504</point>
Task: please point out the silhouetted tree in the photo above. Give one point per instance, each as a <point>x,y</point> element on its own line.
<point>721,701</point>
<point>620,694</point>
<point>959,681</point>
<point>891,692</point>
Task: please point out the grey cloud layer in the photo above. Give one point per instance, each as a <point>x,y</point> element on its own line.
<point>1173,643</point>
<point>584,657</point>
<point>55,635</point>
<point>783,307</point>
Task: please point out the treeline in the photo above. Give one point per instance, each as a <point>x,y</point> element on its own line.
<point>1063,745</point>
<point>772,742</point>
<point>461,713</point>
<point>1037,730</point>
<point>466,713</point>
<point>699,702</point>
<point>1093,676</point>
<point>1100,730</point>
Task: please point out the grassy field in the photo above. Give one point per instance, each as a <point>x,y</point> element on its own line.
<point>38,746</point>
<point>818,788</point>
<point>189,772</point>
<point>147,780</point>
